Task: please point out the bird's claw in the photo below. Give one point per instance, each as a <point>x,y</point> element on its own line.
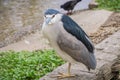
<point>63,75</point>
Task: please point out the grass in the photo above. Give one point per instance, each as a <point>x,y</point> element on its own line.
<point>113,5</point>
<point>26,65</point>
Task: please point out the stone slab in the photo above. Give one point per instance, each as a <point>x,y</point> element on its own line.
<point>105,56</point>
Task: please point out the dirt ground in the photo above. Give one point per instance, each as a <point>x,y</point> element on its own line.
<point>108,28</point>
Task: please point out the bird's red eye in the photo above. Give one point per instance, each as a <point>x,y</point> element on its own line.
<point>53,16</point>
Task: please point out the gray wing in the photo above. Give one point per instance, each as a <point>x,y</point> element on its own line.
<point>76,50</point>
<point>74,29</point>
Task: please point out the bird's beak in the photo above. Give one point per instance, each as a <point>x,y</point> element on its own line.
<point>48,20</point>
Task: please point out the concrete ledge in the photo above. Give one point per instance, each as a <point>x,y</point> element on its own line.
<point>106,53</point>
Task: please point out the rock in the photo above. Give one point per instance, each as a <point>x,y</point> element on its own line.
<point>93,5</point>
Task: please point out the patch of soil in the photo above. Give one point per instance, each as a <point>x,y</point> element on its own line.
<point>18,19</point>
<point>108,28</point>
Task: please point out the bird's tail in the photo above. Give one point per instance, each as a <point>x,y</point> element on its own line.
<point>92,62</point>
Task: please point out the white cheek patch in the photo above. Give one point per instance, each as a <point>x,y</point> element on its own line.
<point>49,15</point>
<point>56,18</point>
<point>53,20</point>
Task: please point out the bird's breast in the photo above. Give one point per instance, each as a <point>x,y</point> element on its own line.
<point>51,31</point>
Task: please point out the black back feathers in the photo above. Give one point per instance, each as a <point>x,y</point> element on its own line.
<point>74,29</point>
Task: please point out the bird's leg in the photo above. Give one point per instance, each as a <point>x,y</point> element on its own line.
<point>66,75</point>
<point>69,12</point>
<point>63,75</point>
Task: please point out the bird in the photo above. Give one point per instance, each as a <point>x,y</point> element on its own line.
<point>69,6</point>
<point>69,40</point>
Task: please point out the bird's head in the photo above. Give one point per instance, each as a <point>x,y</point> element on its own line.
<point>51,16</point>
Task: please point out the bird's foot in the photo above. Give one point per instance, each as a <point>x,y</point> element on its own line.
<point>69,13</point>
<point>63,75</point>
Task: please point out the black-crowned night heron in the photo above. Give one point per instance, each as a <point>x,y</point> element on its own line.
<point>68,39</point>
<point>69,6</point>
